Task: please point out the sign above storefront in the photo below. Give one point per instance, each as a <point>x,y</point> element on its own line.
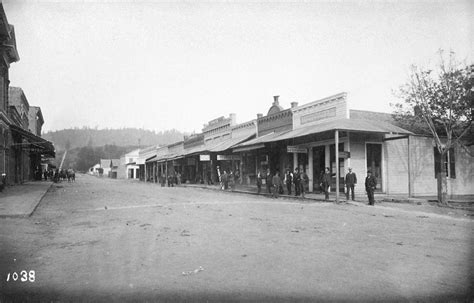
<point>191,161</point>
<point>296,149</point>
<point>204,157</point>
<point>228,157</point>
<point>344,154</point>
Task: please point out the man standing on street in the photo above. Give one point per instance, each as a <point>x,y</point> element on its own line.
<point>288,181</point>
<point>325,183</point>
<point>304,180</point>
<point>370,185</point>
<point>351,181</point>
<point>297,181</point>
<point>268,181</point>
<point>259,182</point>
<point>277,183</point>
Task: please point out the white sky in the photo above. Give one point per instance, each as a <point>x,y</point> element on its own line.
<point>178,65</point>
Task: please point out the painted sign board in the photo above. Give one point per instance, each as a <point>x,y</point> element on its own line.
<point>228,157</point>
<point>296,149</point>
<point>204,157</point>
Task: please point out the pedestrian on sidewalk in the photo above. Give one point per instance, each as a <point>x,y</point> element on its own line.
<point>325,183</point>
<point>351,181</point>
<point>225,180</point>
<point>259,182</point>
<point>297,182</point>
<point>232,181</point>
<point>178,178</point>
<point>268,181</point>
<point>277,184</point>
<point>288,181</point>
<point>370,186</point>
<point>163,180</point>
<point>304,180</point>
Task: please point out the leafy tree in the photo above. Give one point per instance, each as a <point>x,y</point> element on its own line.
<point>440,103</point>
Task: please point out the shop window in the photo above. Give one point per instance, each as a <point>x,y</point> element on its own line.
<point>449,162</point>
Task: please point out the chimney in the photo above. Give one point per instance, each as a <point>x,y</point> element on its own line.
<point>233,119</point>
<point>294,104</point>
<point>275,100</point>
<point>259,116</point>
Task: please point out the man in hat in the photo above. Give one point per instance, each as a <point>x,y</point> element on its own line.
<point>370,185</point>
<point>326,182</point>
<point>351,181</point>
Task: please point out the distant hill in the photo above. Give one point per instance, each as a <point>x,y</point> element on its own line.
<point>79,137</point>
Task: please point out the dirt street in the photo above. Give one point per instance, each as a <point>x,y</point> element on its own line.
<point>115,240</point>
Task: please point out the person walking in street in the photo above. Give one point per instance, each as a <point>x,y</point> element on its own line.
<point>351,181</point>
<point>325,183</point>
<point>259,182</point>
<point>297,181</point>
<point>277,183</point>
<point>268,181</point>
<point>288,181</point>
<point>370,186</point>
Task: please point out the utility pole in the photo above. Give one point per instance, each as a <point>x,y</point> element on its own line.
<point>62,160</point>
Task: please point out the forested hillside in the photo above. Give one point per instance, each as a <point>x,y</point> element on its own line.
<point>79,137</point>
<point>87,146</point>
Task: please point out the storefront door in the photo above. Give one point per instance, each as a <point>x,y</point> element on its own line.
<point>374,162</point>
<point>319,161</point>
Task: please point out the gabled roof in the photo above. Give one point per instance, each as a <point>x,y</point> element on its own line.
<point>105,163</point>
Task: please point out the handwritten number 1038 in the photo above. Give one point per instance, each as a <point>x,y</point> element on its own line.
<point>24,276</point>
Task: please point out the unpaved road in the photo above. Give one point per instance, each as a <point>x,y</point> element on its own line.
<point>113,240</point>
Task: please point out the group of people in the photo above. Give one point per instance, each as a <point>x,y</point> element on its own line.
<point>228,179</point>
<point>370,185</point>
<point>173,179</point>
<point>275,185</point>
<point>56,175</point>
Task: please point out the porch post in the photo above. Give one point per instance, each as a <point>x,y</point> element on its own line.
<point>310,169</point>
<point>409,169</point>
<point>295,161</point>
<point>166,169</point>
<point>336,138</point>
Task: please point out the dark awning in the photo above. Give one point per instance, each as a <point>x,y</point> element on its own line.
<point>151,158</point>
<point>35,143</point>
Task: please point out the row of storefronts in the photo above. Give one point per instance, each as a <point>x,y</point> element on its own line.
<point>23,153</point>
<point>313,136</point>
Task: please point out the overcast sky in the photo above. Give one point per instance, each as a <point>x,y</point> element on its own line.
<point>178,65</point>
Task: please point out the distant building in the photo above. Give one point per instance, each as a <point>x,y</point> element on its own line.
<point>105,165</point>
<point>94,170</point>
<point>128,168</point>
<point>114,165</point>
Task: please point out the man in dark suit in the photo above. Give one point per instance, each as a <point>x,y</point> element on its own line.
<point>326,182</point>
<point>297,181</point>
<point>351,181</point>
<point>268,181</point>
<point>370,185</point>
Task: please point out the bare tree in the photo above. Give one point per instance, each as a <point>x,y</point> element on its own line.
<point>440,103</point>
